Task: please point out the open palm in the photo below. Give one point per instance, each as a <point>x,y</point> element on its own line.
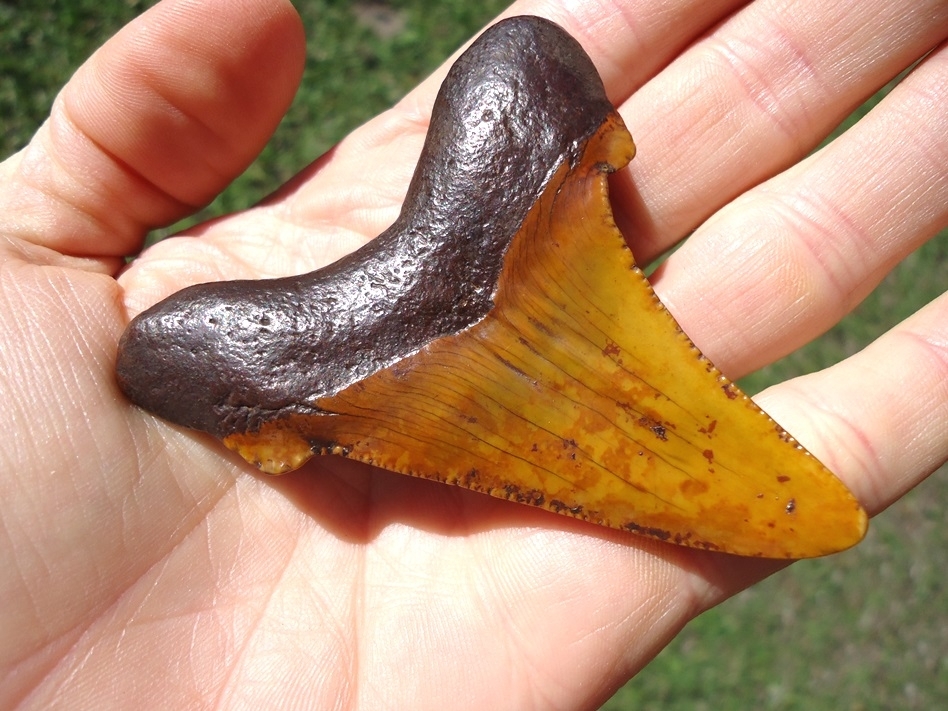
<point>144,564</point>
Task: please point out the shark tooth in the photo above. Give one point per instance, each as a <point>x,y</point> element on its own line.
<point>499,336</point>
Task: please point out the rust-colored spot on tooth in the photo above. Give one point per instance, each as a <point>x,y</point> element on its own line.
<point>611,349</point>
<point>709,430</point>
<point>694,487</point>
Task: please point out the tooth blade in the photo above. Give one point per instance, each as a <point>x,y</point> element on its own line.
<point>579,393</point>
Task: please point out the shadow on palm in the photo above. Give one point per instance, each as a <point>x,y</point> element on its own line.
<point>356,503</point>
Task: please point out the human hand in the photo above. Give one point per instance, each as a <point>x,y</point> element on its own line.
<point>147,565</point>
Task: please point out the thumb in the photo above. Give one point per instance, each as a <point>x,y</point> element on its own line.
<point>154,125</point>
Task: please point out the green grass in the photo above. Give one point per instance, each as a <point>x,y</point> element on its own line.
<point>864,630</point>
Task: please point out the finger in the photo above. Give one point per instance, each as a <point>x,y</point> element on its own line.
<point>752,98</point>
<point>878,418</point>
<point>154,125</point>
<point>786,261</point>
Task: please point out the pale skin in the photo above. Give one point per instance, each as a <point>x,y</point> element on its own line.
<point>144,565</point>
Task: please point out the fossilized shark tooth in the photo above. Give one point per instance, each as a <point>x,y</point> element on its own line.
<point>498,336</point>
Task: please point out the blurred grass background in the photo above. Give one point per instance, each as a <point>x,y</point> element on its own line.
<point>867,629</point>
